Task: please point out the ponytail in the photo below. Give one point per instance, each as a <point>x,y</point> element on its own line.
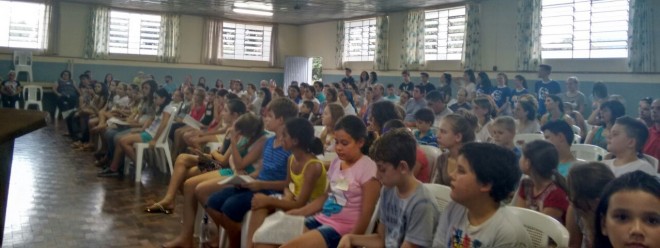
<point>316,147</point>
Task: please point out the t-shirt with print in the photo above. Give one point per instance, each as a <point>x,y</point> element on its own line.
<point>501,95</point>
<point>636,165</point>
<point>502,230</point>
<point>11,86</point>
<point>551,197</point>
<point>429,139</point>
<point>542,89</point>
<point>153,128</point>
<point>483,90</point>
<point>428,87</point>
<point>516,93</point>
<point>411,220</point>
<point>274,162</point>
<point>343,207</point>
<point>407,86</point>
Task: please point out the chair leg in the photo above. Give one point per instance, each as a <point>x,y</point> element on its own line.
<point>168,157</point>
<point>138,164</point>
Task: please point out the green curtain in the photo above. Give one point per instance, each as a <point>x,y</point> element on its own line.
<point>212,41</point>
<point>339,50</point>
<point>640,37</point>
<point>50,34</point>
<point>471,56</point>
<point>412,56</point>
<point>96,44</point>
<point>528,35</point>
<point>168,44</point>
<point>381,60</point>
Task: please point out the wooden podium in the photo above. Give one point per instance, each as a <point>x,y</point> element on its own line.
<point>13,124</point>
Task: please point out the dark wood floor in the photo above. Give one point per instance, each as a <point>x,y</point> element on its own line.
<point>56,200</point>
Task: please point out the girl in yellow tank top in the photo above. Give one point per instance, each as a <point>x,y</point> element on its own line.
<point>307,175</point>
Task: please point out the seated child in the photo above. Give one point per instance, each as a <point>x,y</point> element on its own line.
<point>560,134</point>
<point>424,134</point>
<point>503,130</point>
<point>485,175</point>
<point>421,170</point>
<point>545,190</point>
<point>454,131</point>
<point>306,110</point>
<point>625,141</point>
<point>408,211</point>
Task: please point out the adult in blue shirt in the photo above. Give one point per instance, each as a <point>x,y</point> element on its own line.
<point>545,87</point>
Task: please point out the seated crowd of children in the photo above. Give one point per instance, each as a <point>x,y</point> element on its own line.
<point>380,138</point>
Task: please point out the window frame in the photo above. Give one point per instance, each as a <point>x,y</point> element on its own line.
<point>139,15</point>
<point>457,56</point>
<point>583,39</point>
<point>371,48</point>
<point>41,27</point>
<point>266,29</point>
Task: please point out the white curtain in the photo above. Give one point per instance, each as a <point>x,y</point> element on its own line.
<point>412,56</point>
<point>640,37</point>
<point>51,28</point>
<point>273,45</point>
<point>96,45</point>
<point>381,60</point>
<point>168,45</point>
<point>212,41</point>
<point>339,50</point>
<point>471,41</point>
<point>528,35</point>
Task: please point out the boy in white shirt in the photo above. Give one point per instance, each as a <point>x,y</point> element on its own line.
<point>626,141</point>
<point>408,211</point>
<point>485,175</point>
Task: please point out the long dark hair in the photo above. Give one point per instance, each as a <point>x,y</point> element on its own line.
<point>267,97</point>
<point>163,93</point>
<point>544,158</point>
<point>302,130</point>
<point>471,76</point>
<point>349,97</point>
<point>522,79</point>
<point>485,81</point>
<point>374,77</point>
<point>355,127</point>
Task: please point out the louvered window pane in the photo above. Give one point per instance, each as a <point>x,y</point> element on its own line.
<point>22,25</point>
<point>444,30</point>
<point>360,40</point>
<point>246,41</point>
<point>584,28</point>
<point>133,33</point>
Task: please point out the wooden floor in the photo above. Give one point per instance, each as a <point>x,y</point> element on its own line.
<point>56,200</point>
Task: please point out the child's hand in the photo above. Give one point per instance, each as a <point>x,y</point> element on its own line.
<point>345,242</point>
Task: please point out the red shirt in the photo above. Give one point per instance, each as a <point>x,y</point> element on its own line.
<point>197,112</point>
<point>424,172</point>
<point>652,146</point>
<point>552,197</point>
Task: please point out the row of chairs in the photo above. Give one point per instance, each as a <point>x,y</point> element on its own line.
<point>32,95</point>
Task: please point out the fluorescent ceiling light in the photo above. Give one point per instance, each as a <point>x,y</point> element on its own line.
<point>254,5</point>
<point>253,12</point>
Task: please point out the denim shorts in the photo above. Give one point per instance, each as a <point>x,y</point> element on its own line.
<point>329,234</point>
<point>232,202</point>
<point>146,137</point>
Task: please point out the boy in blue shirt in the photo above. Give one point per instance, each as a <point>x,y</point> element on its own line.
<point>424,134</point>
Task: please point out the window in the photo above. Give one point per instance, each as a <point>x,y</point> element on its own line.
<point>584,29</point>
<point>22,25</point>
<point>444,30</point>
<point>246,41</point>
<point>360,40</point>
<point>133,33</point>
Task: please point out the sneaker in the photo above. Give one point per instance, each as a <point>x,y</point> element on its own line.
<point>107,172</point>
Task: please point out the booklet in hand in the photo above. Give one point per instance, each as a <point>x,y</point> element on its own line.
<point>237,180</point>
<point>188,120</point>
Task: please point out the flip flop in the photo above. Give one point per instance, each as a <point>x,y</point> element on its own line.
<point>157,208</point>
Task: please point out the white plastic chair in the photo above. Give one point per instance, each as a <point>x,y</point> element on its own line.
<point>441,193</point>
<point>588,152</point>
<point>23,63</point>
<point>653,161</point>
<point>318,130</point>
<point>432,153</point>
<point>524,138</point>
<point>33,95</point>
<point>540,227</point>
<point>161,143</point>
<point>576,139</point>
<point>576,129</point>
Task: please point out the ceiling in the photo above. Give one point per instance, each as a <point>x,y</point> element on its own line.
<point>285,11</point>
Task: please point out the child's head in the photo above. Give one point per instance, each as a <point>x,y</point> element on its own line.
<point>559,133</point>
<point>544,70</point>
<point>232,110</point>
<point>526,108</point>
<point>627,134</point>
<point>484,171</point>
<point>502,79</point>
<point>503,130</point>
<point>249,126</point>
<point>468,75</point>
<point>539,158</point>
<point>572,84</point>
<point>161,98</point>
<point>424,118</point>
<point>122,89</point>
<point>482,107</point>
<point>299,134</point>
<point>610,111</point>
<point>437,101</point>
<point>390,89</point>
<point>279,111</point>
<point>520,81</point>
<point>628,214</point>
<point>461,96</point>
<point>456,129</point>
<point>395,156</point>
<point>351,138</point>
<point>585,183</point>
<point>177,97</point>
<point>331,114</point>
<point>554,102</point>
<point>382,112</point>
<point>445,78</point>
<point>393,124</point>
<point>306,107</point>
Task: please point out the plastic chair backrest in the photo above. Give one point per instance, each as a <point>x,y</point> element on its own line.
<point>33,93</point>
<point>522,139</point>
<point>653,161</point>
<point>318,130</point>
<point>371,228</point>
<point>441,194</point>
<point>432,153</point>
<point>576,129</point>
<point>22,58</point>
<point>576,139</point>
<point>163,137</point>
<point>588,152</point>
<point>540,227</point>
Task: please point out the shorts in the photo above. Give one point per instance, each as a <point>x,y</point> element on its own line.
<point>146,137</point>
<point>329,234</point>
<point>232,202</point>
